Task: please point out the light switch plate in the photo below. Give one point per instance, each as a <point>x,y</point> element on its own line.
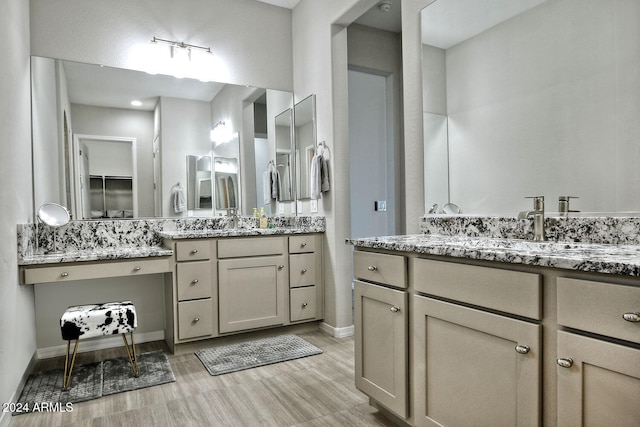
<point>380,205</point>
<point>281,208</point>
<point>299,207</point>
<point>313,206</point>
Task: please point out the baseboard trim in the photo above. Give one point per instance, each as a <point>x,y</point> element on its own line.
<point>5,417</point>
<point>98,344</point>
<point>336,332</point>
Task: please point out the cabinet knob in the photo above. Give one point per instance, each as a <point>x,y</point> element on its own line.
<point>523,349</point>
<point>304,304</point>
<point>566,362</point>
<point>194,251</point>
<point>302,245</point>
<point>631,317</point>
<point>196,319</point>
<point>194,281</point>
<point>64,274</point>
<point>304,270</point>
<point>372,268</point>
<point>136,268</point>
<point>394,309</point>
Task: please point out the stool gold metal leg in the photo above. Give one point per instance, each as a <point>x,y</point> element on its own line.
<point>131,352</point>
<point>66,379</point>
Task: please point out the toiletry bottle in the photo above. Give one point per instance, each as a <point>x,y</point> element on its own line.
<point>263,219</point>
<point>255,213</point>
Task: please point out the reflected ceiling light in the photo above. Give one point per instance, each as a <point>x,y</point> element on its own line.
<point>136,103</point>
<point>221,133</point>
<point>179,59</point>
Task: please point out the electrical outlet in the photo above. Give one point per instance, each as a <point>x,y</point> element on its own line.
<point>313,206</point>
<point>281,208</point>
<point>299,207</point>
<point>380,205</point>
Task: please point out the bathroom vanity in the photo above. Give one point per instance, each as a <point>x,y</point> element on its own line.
<point>458,330</point>
<point>216,280</point>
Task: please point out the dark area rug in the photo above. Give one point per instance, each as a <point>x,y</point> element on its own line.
<point>251,354</point>
<point>94,380</point>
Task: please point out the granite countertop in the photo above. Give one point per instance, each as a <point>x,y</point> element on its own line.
<point>96,255</point>
<point>233,232</point>
<point>591,257</point>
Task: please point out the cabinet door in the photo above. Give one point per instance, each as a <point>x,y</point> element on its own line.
<point>599,384</point>
<point>252,293</point>
<point>381,345</point>
<point>472,367</point>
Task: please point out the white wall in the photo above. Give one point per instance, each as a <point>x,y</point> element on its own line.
<point>320,67</point>
<point>17,324</point>
<point>251,40</point>
<point>90,120</point>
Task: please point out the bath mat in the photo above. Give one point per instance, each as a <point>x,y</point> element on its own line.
<point>92,381</point>
<point>251,354</point>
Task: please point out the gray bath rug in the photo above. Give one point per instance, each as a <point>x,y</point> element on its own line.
<point>118,377</point>
<point>251,354</point>
<point>92,381</point>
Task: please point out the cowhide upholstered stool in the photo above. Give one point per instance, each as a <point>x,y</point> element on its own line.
<point>94,320</point>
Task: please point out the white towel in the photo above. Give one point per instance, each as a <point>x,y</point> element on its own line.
<point>275,184</point>
<point>266,186</point>
<point>179,204</point>
<point>315,181</point>
<point>325,183</point>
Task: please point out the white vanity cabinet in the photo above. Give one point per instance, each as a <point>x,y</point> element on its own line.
<point>195,290</point>
<point>598,375</point>
<point>381,325</point>
<point>469,364</point>
<point>306,299</point>
<point>252,282</point>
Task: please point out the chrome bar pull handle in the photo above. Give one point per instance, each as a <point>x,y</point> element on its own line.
<point>565,362</point>
<point>631,317</point>
<point>372,268</point>
<point>523,349</point>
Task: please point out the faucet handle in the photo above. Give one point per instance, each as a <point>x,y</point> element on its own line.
<point>538,202</point>
<point>563,203</point>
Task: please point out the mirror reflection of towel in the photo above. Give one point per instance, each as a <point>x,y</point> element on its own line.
<point>179,204</point>
<point>266,186</point>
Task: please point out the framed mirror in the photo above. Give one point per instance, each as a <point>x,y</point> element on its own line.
<point>284,158</point>
<point>174,119</point>
<point>304,114</point>
<point>199,186</point>
<point>537,102</point>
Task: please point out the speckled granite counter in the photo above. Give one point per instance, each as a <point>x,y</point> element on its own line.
<point>140,238</point>
<point>591,257</point>
<point>96,255</point>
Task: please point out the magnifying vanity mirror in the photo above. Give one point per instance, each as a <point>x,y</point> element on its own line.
<point>531,97</point>
<point>54,216</point>
<point>173,120</point>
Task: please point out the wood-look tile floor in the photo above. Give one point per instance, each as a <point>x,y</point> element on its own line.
<point>312,391</point>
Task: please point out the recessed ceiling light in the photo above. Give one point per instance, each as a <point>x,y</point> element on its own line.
<point>136,103</point>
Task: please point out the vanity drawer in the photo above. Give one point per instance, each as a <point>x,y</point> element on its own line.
<point>304,270</point>
<point>195,318</point>
<point>508,291</point>
<point>380,268</point>
<point>94,270</point>
<point>599,308</point>
<point>254,246</point>
<point>303,244</point>
<point>194,280</point>
<point>302,303</point>
<point>193,250</point>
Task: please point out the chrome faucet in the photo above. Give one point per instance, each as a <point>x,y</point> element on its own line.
<point>233,214</point>
<point>538,217</point>
<point>563,205</point>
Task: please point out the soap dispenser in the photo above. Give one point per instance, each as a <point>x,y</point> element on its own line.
<point>263,219</point>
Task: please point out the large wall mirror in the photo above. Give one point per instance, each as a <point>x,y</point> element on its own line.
<point>304,114</point>
<point>531,97</point>
<point>171,121</point>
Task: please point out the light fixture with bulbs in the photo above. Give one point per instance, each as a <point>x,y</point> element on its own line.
<point>221,133</point>
<point>180,59</point>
